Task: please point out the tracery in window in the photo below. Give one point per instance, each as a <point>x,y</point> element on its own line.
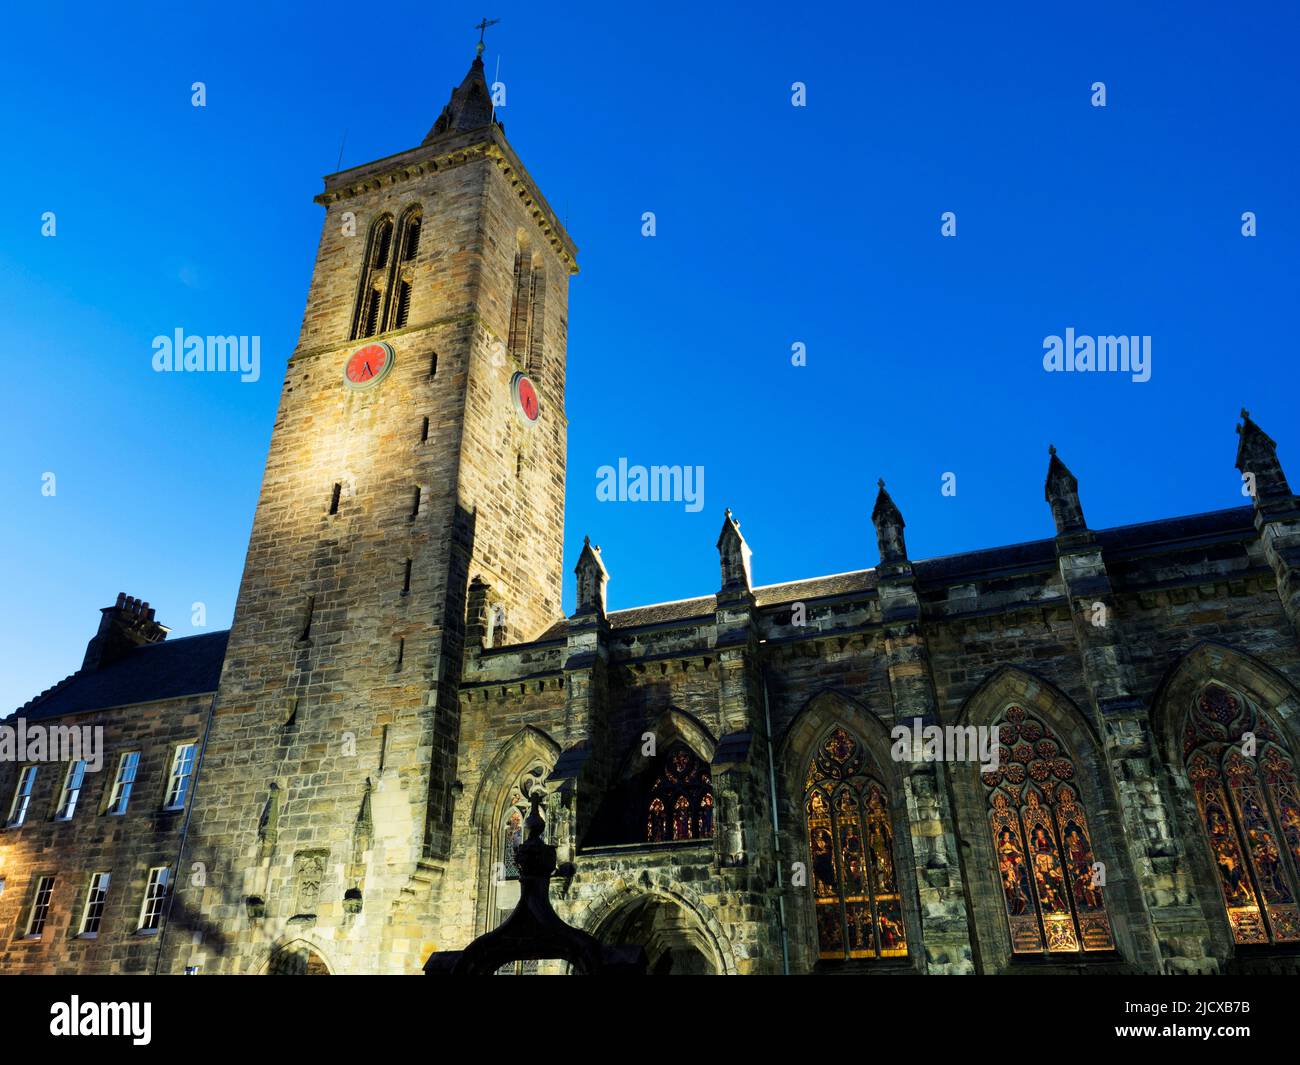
<point>387,283</point>
<point>680,803</point>
<point>858,906</point>
<point>1051,882</point>
<point>1244,780</point>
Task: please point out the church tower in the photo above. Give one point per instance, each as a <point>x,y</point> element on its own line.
<point>419,445</point>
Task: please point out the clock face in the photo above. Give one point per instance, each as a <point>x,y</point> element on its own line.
<point>527,405</point>
<point>368,365</point>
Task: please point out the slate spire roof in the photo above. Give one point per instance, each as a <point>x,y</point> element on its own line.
<point>470,106</point>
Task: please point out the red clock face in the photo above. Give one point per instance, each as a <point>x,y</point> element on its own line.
<point>367,365</point>
<point>526,398</point>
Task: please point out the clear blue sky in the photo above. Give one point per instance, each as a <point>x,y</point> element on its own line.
<point>775,225</point>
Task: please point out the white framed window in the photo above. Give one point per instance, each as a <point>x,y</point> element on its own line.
<point>120,795</point>
<point>22,797</point>
<point>155,896</point>
<point>71,791</point>
<point>93,912</point>
<point>40,908</point>
<point>178,782</point>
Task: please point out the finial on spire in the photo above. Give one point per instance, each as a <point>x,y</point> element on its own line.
<point>1051,449</point>
<point>482,28</point>
<point>880,482</point>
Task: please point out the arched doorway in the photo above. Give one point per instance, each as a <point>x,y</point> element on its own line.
<point>297,959</point>
<point>675,942</point>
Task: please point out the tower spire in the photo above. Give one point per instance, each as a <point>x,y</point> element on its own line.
<point>470,106</point>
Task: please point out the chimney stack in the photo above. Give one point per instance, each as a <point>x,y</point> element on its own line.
<point>123,627</point>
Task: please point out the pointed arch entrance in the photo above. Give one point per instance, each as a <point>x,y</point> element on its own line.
<point>676,942</point>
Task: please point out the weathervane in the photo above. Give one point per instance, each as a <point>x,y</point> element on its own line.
<point>482,28</point>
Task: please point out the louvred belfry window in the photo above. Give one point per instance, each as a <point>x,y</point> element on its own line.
<point>1051,882</point>
<point>858,907</point>
<point>1250,810</point>
<point>680,806</point>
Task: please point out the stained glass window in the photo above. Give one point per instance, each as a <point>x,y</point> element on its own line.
<point>1051,881</point>
<point>680,805</point>
<point>512,822</point>
<point>859,911</point>
<point>1247,797</point>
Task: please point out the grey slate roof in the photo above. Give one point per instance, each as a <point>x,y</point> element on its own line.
<point>166,670</point>
<point>1216,525</point>
<point>192,664</point>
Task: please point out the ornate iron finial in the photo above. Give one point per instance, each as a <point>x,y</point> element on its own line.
<point>880,483</point>
<point>482,28</point>
<point>1245,413</point>
<point>1051,449</point>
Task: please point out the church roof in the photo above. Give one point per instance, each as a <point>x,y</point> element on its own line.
<point>1164,533</point>
<point>166,670</point>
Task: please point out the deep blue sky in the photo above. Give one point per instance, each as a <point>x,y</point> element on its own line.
<point>775,225</point>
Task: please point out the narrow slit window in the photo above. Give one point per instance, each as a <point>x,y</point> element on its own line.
<point>433,365</point>
<point>334,498</point>
<point>308,614</point>
<point>406,579</point>
<point>403,303</point>
<point>424,431</point>
<point>411,237</point>
<point>401,652</point>
<point>415,502</point>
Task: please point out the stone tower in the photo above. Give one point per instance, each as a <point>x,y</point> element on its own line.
<point>419,446</point>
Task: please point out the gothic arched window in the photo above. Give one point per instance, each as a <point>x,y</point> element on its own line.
<point>858,906</point>
<point>528,311</point>
<point>373,290</point>
<point>680,804</point>
<point>408,246</point>
<point>512,821</point>
<point>1051,883</point>
<point>1249,805</point>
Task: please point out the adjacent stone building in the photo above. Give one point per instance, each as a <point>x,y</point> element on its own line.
<point>336,784</point>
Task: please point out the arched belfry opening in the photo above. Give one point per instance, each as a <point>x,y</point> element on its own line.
<point>675,940</point>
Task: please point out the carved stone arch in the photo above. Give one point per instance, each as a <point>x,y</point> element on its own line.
<point>1268,689</point>
<point>1277,701</point>
<point>1009,686</point>
<point>625,811</point>
<point>527,747</point>
<point>604,916</point>
<point>821,714</point>
<point>294,955</point>
<point>676,724</point>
